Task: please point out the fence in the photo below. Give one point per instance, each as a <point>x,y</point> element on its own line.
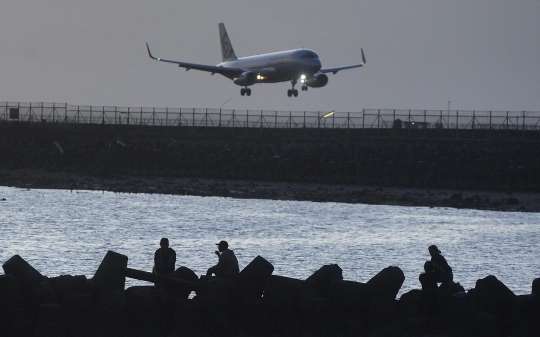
<point>366,119</point>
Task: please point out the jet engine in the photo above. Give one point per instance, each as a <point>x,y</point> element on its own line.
<point>246,78</point>
<point>317,80</point>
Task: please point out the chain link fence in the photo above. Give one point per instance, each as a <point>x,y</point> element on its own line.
<point>198,117</point>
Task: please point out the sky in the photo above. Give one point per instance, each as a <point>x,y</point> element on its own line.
<point>479,55</point>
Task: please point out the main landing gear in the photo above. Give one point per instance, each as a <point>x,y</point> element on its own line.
<point>245,91</point>
<point>293,91</point>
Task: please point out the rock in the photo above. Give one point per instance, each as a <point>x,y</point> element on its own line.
<point>447,290</point>
<point>253,277</point>
<point>409,302</point>
<point>148,310</point>
<point>382,312</point>
<point>525,318</point>
<point>350,296</point>
<point>188,318</point>
<point>216,292</point>
<point>110,306</point>
<point>65,284</point>
<point>27,276</point>
<point>14,320</point>
<point>110,271</point>
<point>512,201</point>
<point>488,325</point>
<point>320,281</point>
<point>456,197</point>
<point>318,316</point>
<point>492,296</point>
<point>50,322</point>
<point>536,287</point>
<point>283,291</point>
<point>386,283</point>
<point>184,273</point>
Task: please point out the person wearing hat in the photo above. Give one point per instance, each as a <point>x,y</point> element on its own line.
<point>444,273</point>
<point>228,264</point>
<point>164,258</point>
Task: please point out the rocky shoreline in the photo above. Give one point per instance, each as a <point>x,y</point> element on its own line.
<point>255,303</point>
<point>316,192</point>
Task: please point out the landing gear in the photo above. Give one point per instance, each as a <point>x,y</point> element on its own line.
<point>304,87</point>
<point>245,91</point>
<point>293,91</point>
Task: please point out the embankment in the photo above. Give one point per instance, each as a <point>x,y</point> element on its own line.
<point>361,162</point>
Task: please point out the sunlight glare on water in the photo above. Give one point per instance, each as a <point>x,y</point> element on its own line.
<point>61,232</point>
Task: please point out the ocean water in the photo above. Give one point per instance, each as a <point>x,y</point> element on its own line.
<point>69,232</point>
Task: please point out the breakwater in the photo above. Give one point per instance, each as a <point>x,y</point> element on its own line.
<point>386,158</point>
<point>256,303</point>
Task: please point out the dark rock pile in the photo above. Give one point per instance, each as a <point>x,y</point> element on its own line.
<point>256,303</point>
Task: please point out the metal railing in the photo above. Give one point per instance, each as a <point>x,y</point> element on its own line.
<point>365,119</point>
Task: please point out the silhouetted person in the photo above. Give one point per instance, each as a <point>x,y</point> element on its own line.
<point>228,264</point>
<point>164,258</point>
<point>444,273</point>
<point>428,301</point>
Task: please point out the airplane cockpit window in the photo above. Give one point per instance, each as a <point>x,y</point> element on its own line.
<point>308,56</point>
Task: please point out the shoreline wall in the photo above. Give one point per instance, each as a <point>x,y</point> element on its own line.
<point>372,157</point>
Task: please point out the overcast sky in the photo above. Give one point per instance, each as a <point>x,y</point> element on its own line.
<point>478,54</point>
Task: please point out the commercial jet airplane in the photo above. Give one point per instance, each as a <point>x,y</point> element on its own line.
<point>289,65</point>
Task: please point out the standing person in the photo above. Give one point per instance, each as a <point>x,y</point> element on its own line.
<point>444,273</point>
<point>164,258</point>
<point>428,301</point>
<point>228,264</point>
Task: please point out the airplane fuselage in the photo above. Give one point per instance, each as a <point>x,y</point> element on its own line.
<point>279,66</point>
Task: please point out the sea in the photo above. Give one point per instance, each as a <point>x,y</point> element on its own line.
<point>62,232</point>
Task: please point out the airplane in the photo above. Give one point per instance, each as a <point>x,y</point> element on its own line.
<point>290,65</point>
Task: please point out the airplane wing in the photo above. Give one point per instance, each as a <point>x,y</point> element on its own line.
<point>228,72</point>
<point>335,70</point>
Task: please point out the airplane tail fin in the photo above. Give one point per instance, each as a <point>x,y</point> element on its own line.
<point>227,52</point>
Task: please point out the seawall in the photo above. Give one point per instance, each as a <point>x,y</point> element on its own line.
<point>496,161</point>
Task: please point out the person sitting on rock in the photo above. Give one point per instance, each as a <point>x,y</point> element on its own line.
<point>428,300</point>
<point>441,267</point>
<point>164,258</point>
<point>227,266</point>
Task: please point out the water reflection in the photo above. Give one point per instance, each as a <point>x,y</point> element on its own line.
<point>60,232</point>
